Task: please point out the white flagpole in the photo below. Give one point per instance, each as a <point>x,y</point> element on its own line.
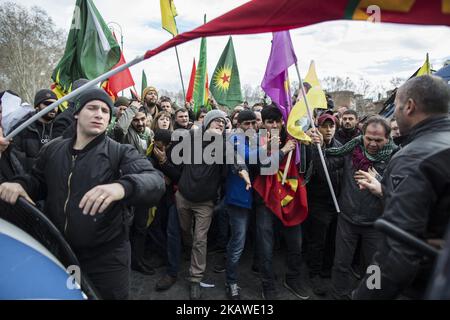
<point>322,159</point>
<point>74,94</point>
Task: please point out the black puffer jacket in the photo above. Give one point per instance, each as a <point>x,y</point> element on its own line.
<point>359,207</point>
<point>29,142</point>
<point>62,177</point>
<point>318,190</point>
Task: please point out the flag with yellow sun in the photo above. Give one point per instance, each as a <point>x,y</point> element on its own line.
<point>225,83</point>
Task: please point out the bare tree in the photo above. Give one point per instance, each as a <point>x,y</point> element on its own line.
<point>30,48</point>
<point>397,82</point>
<point>336,83</point>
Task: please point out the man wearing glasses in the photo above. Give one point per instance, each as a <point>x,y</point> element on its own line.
<point>29,142</point>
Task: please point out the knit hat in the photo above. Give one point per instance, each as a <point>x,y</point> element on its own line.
<point>147,90</point>
<point>246,115</point>
<point>211,116</point>
<point>93,94</point>
<point>122,101</point>
<point>43,95</point>
<point>79,83</point>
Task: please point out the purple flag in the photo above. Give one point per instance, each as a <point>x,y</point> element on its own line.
<point>276,80</point>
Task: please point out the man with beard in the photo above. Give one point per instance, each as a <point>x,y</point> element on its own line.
<point>415,188</point>
<point>349,128</point>
<point>130,129</point>
<point>150,99</point>
<point>29,142</point>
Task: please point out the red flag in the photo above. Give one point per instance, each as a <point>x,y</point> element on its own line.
<point>121,80</point>
<point>259,16</point>
<point>190,91</point>
<point>107,87</point>
<point>289,201</point>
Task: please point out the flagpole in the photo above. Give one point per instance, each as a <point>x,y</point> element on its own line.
<point>181,75</point>
<point>319,148</point>
<point>74,94</point>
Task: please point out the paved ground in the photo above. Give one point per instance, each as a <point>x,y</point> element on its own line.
<point>142,286</point>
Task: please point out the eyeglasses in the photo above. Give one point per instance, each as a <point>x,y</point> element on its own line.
<point>219,121</point>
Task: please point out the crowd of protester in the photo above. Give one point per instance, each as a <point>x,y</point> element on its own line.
<point>109,176</point>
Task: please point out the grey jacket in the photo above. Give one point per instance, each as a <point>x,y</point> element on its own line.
<point>124,132</point>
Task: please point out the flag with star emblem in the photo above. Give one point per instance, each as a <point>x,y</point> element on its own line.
<point>225,84</point>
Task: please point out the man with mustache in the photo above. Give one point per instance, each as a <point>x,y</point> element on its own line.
<point>29,142</point>
<point>131,129</point>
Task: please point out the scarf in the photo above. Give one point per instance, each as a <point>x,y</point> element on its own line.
<point>383,155</point>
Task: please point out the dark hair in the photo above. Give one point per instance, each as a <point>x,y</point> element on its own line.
<point>200,111</point>
<point>376,119</point>
<point>165,99</point>
<point>430,93</point>
<point>181,110</point>
<point>353,112</point>
<point>271,112</point>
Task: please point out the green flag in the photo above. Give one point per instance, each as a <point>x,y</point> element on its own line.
<point>201,82</point>
<point>144,84</point>
<point>225,84</point>
<point>91,49</point>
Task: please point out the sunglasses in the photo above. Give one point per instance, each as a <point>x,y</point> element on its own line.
<point>47,103</point>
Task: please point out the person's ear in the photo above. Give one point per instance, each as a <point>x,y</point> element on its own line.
<point>76,117</point>
<point>410,106</point>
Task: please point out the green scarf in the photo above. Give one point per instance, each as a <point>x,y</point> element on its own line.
<point>383,155</point>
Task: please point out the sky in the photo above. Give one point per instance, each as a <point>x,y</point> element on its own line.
<point>377,52</point>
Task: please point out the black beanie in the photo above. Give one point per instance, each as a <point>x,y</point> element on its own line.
<point>246,115</point>
<point>93,94</point>
<point>271,112</point>
<point>43,95</point>
<point>163,135</point>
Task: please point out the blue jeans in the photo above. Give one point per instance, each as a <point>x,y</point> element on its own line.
<point>239,219</point>
<point>265,220</point>
<point>173,241</point>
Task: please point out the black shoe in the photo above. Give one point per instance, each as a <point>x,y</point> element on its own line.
<point>270,293</point>
<point>233,291</point>
<point>195,291</point>
<point>296,289</point>
<point>255,270</point>
<point>165,283</point>
<point>139,267</point>
<point>318,285</point>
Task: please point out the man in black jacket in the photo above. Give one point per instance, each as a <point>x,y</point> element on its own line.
<point>29,142</point>
<point>415,186</point>
<point>321,223</point>
<point>359,208</point>
<point>349,128</point>
<point>88,181</point>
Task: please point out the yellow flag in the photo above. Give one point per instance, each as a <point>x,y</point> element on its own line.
<point>316,100</point>
<point>425,69</point>
<point>168,14</point>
